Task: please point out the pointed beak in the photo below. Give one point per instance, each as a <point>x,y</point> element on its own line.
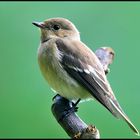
<point>39,24</point>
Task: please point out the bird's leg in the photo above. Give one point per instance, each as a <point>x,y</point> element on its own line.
<point>71,109</point>
<point>74,105</point>
<point>67,107</point>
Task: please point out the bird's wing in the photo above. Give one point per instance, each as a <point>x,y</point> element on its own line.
<point>88,76</point>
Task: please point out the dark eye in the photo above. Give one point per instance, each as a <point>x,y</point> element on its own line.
<point>56,27</point>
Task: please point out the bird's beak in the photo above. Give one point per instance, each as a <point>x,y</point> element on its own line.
<point>39,24</point>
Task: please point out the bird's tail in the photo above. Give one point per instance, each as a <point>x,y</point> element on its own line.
<point>118,112</point>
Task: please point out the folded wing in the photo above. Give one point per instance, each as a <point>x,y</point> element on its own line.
<point>91,78</point>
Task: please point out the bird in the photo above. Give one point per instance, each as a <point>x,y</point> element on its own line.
<point>72,69</point>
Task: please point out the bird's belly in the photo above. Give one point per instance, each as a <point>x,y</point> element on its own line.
<point>61,82</point>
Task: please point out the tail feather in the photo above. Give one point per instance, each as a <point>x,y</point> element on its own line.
<point>121,114</point>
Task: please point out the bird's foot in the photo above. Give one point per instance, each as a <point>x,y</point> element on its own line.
<point>72,108</point>
<point>74,105</point>
<point>69,110</point>
<point>68,107</point>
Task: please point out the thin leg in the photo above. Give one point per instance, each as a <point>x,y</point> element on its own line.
<point>75,104</point>
<point>68,109</point>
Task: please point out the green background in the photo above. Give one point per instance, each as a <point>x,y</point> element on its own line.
<point>26,98</point>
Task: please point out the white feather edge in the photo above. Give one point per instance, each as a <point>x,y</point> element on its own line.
<point>122,115</point>
<point>96,75</point>
<point>90,69</point>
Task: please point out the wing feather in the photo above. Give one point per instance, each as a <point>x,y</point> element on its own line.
<point>92,78</point>
<point>88,76</point>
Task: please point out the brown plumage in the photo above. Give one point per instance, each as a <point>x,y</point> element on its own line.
<point>72,69</point>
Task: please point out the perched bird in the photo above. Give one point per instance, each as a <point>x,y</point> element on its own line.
<point>72,69</point>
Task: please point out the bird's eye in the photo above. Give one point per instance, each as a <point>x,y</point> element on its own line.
<point>56,27</point>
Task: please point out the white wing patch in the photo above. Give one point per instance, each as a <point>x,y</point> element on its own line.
<point>86,71</point>
<point>58,54</point>
<point>98,79</point>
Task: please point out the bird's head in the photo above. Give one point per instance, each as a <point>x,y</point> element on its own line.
<point>57,28</point>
